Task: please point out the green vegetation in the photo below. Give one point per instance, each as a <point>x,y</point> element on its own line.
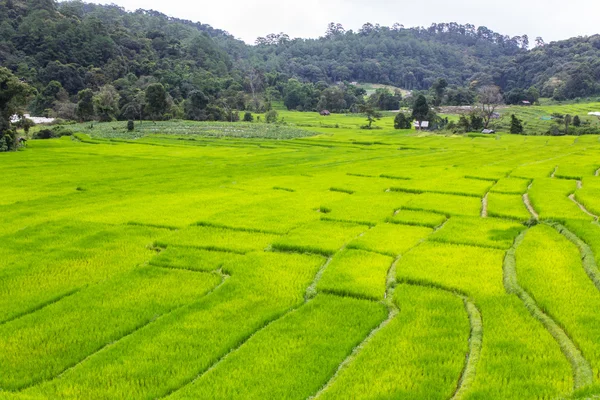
<point>296,354</point>
<point>418,354</point>
<point>339,263</point>
<point>356,273</point>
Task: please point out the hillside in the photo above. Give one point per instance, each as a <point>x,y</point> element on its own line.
<point>63,49</point>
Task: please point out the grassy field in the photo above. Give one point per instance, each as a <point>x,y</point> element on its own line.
<point>307,260</point>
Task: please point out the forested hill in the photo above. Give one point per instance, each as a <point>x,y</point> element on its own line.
<point>75,53</point>
<point>411,58</point>
<point>86,46</point>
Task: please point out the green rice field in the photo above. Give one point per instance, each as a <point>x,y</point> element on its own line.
<point>300,261</point>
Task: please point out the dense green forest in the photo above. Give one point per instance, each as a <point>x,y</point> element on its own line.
<point>87,61</point>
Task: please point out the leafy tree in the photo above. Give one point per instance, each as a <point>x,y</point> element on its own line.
<point>401,121</point>
<point>568,119</point>
<point>44,101</point>
<point>383,99</point>
<point>248,117</point>
<point>463,124</point>
<point>576,121</point>
<point>371,114</point>
<point>156,101</point>
<point>332,99</point>
<point>130,125</point>
<point>13,96</point>
<point>85,106</point>
<point>439,87</point>
<point>476,122</point>
<point>195,106</point>
<point>134,108</point>
<point>516,125</point>
<point>106,103</point>
<point>420,109</point>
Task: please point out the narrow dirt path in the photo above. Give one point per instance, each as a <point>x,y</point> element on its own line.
<point>583,374</point>
<point>484,205</point>
<point>554,172</point>
<point>582,207</point>
<point>532,211</point>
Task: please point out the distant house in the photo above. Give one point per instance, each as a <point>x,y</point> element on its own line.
<point>420,125</point>
<point>525,103</point>
<point>325,113</point>
<point>488,131</point>
<point>496,115</point>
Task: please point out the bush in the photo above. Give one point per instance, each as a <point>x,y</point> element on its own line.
<point>248,117</point>
<point>130,125</point>
<point>402,121</point>
<point>516,125</point>
<point>271,117</point>
<point>56,132</point>
<point>45,134</point>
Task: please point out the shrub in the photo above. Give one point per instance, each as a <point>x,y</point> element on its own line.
<point>248,117</point>
<point>271,117</point>
<point>516,125</point>
<point>402,121</point>
<point>45,134</point>
<point>130,125</point>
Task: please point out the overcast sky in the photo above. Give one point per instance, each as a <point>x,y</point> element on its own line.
<point>249,19</point>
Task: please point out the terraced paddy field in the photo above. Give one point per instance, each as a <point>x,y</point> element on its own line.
<point>330,264</point>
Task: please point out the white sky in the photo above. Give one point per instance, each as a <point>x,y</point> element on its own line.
<point>247,20</point>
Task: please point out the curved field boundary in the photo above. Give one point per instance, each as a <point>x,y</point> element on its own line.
<point>475,344</point>
<point>311,292</point>
<point>392,313</point>
<point>597,173</point>
<point>224,278</point>
<point>528,204</point>
<point>582,207</point>
<point>587,255</point>
<point>583,374</point>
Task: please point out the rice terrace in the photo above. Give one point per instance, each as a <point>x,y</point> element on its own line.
<point>339,212</point>
<point>329,265</point>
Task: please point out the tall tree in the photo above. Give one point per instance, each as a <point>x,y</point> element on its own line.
<point>156,101</point>
<point>420,109</point>
<point>13,96</point>
<point>439,87</point>
<point>195,106</point>
<point>489,99</point>
<point>85,106</point>
<point>106,103</point>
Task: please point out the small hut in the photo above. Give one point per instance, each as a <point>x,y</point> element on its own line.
<point>325,113</point>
